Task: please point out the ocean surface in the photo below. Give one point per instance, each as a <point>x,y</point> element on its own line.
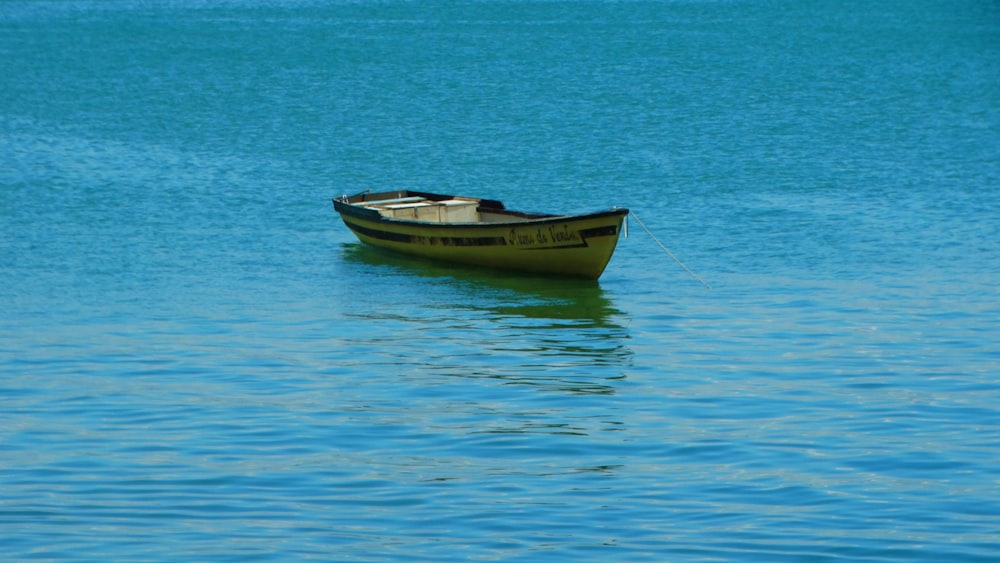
<point>199,362</point>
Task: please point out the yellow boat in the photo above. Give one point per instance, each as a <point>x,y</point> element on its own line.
<point>482,232</point>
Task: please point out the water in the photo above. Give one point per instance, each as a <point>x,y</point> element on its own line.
<point>199,362</point>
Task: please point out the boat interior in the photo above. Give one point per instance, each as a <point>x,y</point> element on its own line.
<point>451,210</point>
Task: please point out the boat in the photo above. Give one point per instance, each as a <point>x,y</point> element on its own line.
<point>482,232</point>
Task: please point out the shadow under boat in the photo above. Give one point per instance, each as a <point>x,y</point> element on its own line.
<point>512,293</point>
<point>572,321</point>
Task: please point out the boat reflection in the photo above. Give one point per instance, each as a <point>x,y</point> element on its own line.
<point>513,294</point>
<point>559,333</point>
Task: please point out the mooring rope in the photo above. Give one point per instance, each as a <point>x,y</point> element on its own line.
<point>665,249</point>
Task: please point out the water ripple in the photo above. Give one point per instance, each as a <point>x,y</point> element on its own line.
<point>198,362</point>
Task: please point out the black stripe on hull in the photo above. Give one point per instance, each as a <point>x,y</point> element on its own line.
<point>606,231</point>
<point>419,239</point>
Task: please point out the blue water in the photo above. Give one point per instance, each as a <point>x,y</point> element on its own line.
<point>199,362</point>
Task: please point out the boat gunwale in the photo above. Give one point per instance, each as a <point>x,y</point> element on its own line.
<point>345,206</point>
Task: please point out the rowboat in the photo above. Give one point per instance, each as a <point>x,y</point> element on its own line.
<point>482,232</point>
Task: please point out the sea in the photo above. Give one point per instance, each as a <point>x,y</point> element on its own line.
<point>794,355</point>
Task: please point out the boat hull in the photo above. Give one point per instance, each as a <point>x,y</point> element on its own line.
<point>577,245</point>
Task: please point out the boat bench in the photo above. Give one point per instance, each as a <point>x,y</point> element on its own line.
<point>395,200</point>
<point>446,211</point>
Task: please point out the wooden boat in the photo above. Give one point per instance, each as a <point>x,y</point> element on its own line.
<point>482,232</point>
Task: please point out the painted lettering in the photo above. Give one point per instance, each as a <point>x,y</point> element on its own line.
<point>516,237</point>
<point>563,234</point>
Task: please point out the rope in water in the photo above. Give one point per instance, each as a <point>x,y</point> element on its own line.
<point>665,249</point>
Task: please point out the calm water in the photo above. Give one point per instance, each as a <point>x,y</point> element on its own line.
<point>199,362</point>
